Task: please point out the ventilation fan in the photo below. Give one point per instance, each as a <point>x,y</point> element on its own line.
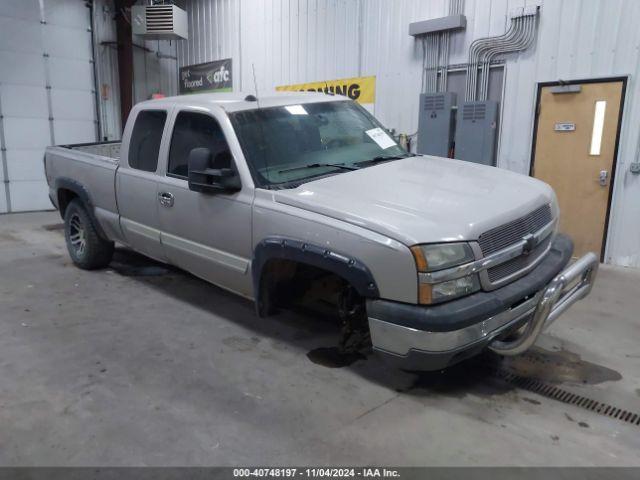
<point>161,22</point>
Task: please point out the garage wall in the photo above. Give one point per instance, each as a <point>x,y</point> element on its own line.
<point>291,41</point>
<point>154,68</point>
<point>46,92</point>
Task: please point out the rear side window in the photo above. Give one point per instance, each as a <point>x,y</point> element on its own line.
<point>144,146</point>
<point>195,130</point>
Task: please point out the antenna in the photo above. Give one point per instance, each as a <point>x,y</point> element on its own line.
<point>255,83</point>
<point>265,157</point>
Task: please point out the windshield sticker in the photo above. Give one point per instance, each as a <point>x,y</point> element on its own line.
<point>296,110</point>
<point>381,138</point>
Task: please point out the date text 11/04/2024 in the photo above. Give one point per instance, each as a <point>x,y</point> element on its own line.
<point>327,472</point>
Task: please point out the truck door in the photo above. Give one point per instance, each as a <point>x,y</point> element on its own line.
<point>137,186</point>
<point>208,234</point>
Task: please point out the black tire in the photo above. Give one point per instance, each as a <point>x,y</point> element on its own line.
<point>86,248</point>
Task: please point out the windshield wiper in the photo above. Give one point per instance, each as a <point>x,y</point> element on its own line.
<point>384,158</point>
<point>318,165</point>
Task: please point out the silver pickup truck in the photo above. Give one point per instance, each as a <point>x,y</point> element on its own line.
<point>430,259</point>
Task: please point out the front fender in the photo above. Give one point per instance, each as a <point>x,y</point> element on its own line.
<point>345,266</point>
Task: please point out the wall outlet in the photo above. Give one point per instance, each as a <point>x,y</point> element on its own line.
<point>635,168</point>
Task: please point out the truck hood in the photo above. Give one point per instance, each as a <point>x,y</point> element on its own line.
<point>423,199</point>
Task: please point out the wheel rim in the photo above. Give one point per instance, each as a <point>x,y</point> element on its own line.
<point>77,235</point>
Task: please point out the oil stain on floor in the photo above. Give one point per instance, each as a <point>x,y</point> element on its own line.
<point>558,367</point>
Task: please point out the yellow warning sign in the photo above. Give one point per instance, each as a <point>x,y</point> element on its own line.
<point>360,89</point>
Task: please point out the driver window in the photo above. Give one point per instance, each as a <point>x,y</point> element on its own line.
<point>194,130</point>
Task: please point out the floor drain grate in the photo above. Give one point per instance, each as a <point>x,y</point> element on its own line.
<point>555,393</point>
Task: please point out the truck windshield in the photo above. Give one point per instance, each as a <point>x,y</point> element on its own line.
<point>290,144</point>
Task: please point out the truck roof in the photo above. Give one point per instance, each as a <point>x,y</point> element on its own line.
<point>233,102</point>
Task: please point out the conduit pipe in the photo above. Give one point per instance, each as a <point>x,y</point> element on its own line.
<point>435,55</point>
<point>474,52</point>
<point>518,37</point>
<point>520,42</point>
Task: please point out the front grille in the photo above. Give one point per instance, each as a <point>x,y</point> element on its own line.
<point>505,235</point>
<point>519,263</point>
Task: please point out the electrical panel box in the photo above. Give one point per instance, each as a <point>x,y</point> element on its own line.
<point>435,123</point>
<point>476,131</point>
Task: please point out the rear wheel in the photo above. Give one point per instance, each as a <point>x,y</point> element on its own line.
<point>86,248</point>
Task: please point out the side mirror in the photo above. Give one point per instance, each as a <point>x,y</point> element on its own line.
<point>206,179</point>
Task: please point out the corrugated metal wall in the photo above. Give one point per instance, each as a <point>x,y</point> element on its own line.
<point>291,41</point>
<point>154,68</point>
<point>107,69</point>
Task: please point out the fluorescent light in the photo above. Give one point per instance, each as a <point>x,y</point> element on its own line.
<point>598,127</point>
<point>296,110</point>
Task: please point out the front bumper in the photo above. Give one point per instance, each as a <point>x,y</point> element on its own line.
<point>429,338</point>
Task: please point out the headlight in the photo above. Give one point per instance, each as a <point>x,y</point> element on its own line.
<point>440,256</point>
<point>430,258</point>
<point>430,293</point>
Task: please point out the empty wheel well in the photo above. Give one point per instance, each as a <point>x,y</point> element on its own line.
<point>289,283</point>
<point>65,196</point>
<point>286,282</point>
<point>284,269</point>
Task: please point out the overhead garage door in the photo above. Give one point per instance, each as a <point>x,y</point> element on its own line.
<point>46,92</point>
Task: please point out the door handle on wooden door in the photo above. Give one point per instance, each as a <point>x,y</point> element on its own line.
<point>603,179</point>
<point>165,199</point>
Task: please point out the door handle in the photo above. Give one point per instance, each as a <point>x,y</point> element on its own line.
<point>603,178</point>
<point>166,199</point>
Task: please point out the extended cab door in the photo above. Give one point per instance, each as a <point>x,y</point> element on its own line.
<point>208,234</point>
<point>137,182</point>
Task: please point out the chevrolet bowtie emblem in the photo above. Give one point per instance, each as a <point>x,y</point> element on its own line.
<point>529,244</point>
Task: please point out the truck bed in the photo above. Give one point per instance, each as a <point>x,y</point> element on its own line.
<point>105,149</point>
<point>92,166</point>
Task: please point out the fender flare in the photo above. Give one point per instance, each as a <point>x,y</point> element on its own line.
<point>81,191</point>
<point>346,266</point>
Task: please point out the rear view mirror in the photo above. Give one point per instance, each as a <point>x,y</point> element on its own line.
<point>203,178</point>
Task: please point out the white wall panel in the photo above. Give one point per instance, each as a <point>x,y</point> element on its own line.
<point>71,74</point>
<point>24,101</point>
<point>20,35</point>
<point>25,165</point>
<point>67,42</point>
<point>73,105</point>
<point>46,91</point>
<point>21,133</point>
<point>64,13</point>
<point>21,69</point>
<point>29,196</point>
<point>73,131</point>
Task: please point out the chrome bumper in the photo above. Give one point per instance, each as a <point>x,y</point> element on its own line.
<point>532,316</point>
<point>571,285</point>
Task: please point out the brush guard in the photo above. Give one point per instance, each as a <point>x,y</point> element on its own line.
<point>569,286</point>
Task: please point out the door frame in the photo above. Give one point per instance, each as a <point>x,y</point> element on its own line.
<point>624,79</point>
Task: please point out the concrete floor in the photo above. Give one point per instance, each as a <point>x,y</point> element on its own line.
<point>144,365</point>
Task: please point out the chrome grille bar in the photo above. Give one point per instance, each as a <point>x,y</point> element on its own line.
<point>505,235</point>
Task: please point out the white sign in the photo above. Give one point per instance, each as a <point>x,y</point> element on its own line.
<point>296,110</point>
<point>381,138</point>
<point>564,127</point>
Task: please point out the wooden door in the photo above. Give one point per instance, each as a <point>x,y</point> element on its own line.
<point>575,149</point>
